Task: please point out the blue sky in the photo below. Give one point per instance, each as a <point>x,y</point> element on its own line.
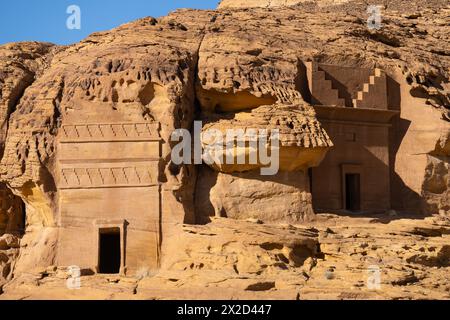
<point>45,20</point>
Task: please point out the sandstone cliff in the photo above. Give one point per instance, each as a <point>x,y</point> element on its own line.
<point>275,3</point>
<point>230,67</point>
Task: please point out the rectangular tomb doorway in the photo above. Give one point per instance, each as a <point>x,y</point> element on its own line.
<point>109,251</point>
<point>353,191</point>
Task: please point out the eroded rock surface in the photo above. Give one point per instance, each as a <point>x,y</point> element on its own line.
<point>275,3</point>
<point>98,115</point>
<point>331,258</point>
<point>245,195</point>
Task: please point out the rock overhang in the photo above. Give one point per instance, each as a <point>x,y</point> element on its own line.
<point>301,141</point>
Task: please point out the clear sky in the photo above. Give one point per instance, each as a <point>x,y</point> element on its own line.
<point>45,20</point>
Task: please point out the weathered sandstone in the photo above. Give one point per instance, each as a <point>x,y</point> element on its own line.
<point>364,122</point>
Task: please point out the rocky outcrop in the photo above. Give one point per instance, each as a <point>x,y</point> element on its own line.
<point>274,3</point>
<point>302,141</point>
<point>282,197</point>
<point>239,190</point>
<point>19,64</point>
<point>436,186</point>
<point>269,60</point>
<point>131,87</point>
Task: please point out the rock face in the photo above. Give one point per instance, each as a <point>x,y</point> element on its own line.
<point>239,191</point>
<point>19,65</point>
<point>274,3</point>
<point>86,145</point>
<point>302,141</point>
<point>245,195</point>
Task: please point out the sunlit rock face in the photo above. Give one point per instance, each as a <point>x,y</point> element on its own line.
<point>260,160</point>
<point>85,132</point>
<point>284,196</point>
<point>88,145</point>
<point>274,3</point>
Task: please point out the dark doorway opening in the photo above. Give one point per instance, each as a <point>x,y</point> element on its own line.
<point>23,220</point>
<point>109,251</point>
<point>310,175</point>
<point>353,192</point>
